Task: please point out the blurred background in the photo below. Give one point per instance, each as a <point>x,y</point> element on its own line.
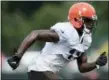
<point>19,18</point>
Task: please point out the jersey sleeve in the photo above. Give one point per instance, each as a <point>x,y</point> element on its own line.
<point>59,30</point>
<point>68,33</point>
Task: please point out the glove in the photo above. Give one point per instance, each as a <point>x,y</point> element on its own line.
<point>102,59</point>
<point>14,61</point>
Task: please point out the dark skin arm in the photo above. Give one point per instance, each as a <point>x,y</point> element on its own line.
<point>83,66</point>
<point>37,35</point>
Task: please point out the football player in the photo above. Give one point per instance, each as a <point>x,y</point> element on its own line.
<point>65,41</point>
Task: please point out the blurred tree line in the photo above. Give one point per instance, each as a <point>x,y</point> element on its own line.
<point>19,18</point>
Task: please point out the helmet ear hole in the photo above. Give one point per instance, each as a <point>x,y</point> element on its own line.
<point>75,19</point>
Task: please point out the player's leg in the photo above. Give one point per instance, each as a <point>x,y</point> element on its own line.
<point>51,75</point>
<point>33,75</point>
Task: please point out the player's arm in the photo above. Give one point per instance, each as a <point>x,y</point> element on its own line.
<point>84,66</point>
<point>36,35</point>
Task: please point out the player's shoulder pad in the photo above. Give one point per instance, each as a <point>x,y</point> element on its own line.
<point>66,30</point>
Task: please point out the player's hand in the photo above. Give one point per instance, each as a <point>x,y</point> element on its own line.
<point>14,61</point>
<point>102,59</point>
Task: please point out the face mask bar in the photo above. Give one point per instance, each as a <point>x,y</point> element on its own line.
<point>89,23</point>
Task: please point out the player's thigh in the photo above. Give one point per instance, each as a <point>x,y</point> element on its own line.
<point>33,75</point>
<point>51,75</point>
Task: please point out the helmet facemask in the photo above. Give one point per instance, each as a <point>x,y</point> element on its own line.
<point>89,23</point>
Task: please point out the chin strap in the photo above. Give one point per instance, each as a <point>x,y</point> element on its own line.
<point>97,66</point>
<point>86,30</point>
